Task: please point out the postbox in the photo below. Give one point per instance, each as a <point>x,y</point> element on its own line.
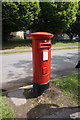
<point>41,51</point>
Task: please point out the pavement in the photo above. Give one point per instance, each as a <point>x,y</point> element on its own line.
<point>17,68</point>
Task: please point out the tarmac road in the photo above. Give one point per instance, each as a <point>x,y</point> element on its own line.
<point>66,113</point>
<point>17,68</point>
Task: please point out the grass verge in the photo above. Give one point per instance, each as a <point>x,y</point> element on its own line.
<point>58,44</point>
<point>70,86</point>
<point>5,110</point>
<point>11,52</point>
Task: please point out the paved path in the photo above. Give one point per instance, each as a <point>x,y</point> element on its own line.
<point>17,68</point>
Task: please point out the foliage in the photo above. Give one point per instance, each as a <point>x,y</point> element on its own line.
<point>76,25</point>
<point>74,29</point>
<point>18,16</point>
<point>56,17</point>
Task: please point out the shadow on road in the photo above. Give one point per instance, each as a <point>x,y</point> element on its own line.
<point>21,69</point>
<point>17,83</point>
<point>61,62</point>
<point>22,72</point>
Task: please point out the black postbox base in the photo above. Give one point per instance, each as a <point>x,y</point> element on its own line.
<point>38,89</point>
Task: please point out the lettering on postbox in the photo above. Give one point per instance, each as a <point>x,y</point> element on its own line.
<point>45,55</point>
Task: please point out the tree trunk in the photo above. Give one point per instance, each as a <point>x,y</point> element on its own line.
<point>5,35</point>
<point>71,37</point>
<point>79,37</point>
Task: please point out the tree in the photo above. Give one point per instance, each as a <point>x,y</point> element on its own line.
<point>55,17</point>
<point>76,25</point>
<point>18,16</point>
<point>74,29</point>
<point>70,32</point>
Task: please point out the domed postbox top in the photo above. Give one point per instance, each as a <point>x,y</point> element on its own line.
<point>41,35</point>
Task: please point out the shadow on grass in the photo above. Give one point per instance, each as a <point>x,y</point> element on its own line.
<point>11,44</point>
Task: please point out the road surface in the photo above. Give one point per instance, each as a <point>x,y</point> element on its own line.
<point>17,68</point>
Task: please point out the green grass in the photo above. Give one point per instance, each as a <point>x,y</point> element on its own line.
<point>0,106</point>
<point>65,48</point>
<point>64,42</point>
<point>70,86</point>
<point>5,110</point>
<point>27,43</point>
<point>12,52</point>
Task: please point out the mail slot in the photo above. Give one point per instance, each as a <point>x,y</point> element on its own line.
<point>45,45</point>
<point>41,49</point>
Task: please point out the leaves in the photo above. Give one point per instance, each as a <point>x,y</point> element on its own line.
<point>17,15</point>
<point>55,17</point>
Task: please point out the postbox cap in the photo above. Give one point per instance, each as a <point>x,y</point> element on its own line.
<point>41,35</point>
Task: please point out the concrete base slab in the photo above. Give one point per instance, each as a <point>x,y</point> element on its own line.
<point>17,97</point>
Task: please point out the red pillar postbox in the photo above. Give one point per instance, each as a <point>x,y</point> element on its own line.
<point>41,47</point>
